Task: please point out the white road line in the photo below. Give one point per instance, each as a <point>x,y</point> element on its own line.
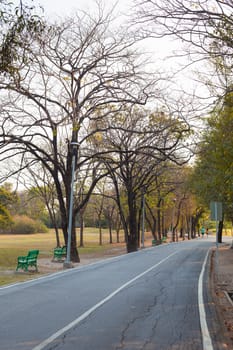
<point>206,339</point>
<point>54,336</point>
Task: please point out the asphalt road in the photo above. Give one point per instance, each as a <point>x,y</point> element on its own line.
<point>145,300</point>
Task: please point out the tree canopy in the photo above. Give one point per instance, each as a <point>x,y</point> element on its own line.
<point>214,167</point>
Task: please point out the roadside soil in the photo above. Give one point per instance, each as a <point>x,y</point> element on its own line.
<point>221,284</point>
<point>50,266</point>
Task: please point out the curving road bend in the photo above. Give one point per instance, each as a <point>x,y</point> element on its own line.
<point>145,300</point>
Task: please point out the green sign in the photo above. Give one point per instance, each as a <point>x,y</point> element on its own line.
<point>216,211</point>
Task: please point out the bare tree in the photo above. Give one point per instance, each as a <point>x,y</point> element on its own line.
<point>160,191</point>
<point>83,70</point>
<point>204,30</point>
<point>98,206</point>
<point>109,211</point>
<point>205,24</point>
<point>150,140</point>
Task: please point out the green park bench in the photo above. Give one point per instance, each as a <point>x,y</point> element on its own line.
<point>157,242</point>
<point>30,260</point>
<point>59,253</point>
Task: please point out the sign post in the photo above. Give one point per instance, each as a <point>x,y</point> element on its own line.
<point>216,215</point>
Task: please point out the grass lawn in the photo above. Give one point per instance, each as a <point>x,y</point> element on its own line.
<point>12,246</point>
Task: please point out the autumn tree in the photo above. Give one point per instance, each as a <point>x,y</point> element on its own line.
<point>141,141</point>
<point>204,30</point>
<point>159,200</point>
<point>212,178</point>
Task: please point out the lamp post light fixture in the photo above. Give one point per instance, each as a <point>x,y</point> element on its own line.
<point>74,148</point>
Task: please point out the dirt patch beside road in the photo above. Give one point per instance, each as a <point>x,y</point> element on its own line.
<point>49,266</point>
<point>222,284</point>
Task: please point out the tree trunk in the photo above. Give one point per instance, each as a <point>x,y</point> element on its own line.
<point>81,244</point>
<point>74,255</point>
<point>110,232</point>
<point>132,239</point>
<point>57,236</point>
<point>164,233</point>
<point>100,233</point>
<point>152,222</point>
<point>54,222</point>
<point>64,231</point>
<point>118,235</point>
<point>132,244</point>
<point>139,228</point>
<point>159,219</point>
<point>173,234</point>
<point>219,233</point>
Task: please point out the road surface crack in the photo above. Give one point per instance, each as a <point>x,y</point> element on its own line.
<point>148,311</point>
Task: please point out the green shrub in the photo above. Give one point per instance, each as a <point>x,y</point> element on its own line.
<point>41,227</point>
<point>24,225</point>
<point>5,218</point>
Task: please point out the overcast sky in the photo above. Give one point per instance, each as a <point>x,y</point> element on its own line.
<point>67,7</point>
<point>63,8</point>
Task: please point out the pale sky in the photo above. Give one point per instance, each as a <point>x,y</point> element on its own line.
<point>66,7</point>
<point>63,8</point>
<point>160,48</point>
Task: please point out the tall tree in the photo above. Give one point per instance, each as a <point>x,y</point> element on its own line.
<point>213,172</point>
<point>150,140</point>
<point>78,73</point>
